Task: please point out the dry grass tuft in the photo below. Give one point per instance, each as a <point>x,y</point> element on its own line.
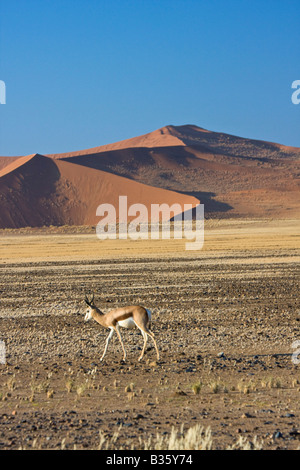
<point>196,387</point>
<point>194,438</point>
<point>243,444</point>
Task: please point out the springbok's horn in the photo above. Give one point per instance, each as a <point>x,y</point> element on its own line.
<point>87,300</point>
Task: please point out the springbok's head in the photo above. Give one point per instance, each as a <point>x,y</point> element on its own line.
<point>91,306</point>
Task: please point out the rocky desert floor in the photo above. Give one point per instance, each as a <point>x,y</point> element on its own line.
<point>226,319</point>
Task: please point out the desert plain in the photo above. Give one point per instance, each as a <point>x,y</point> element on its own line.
<point>226,319</point>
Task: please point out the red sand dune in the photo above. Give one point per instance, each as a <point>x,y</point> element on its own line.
<point>37,190</point>
<point>232,176</point>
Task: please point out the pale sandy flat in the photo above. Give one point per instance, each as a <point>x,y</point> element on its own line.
<point>222,238</point>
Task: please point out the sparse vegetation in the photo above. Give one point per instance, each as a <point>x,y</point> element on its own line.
<point>243,443</point>
<point>217,386</point>
<point>271,382</point>
<point>196,387</point>
<point>70,385</point>
<point>194,438</point>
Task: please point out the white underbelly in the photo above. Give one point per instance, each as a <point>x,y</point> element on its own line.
<point>128,323</point>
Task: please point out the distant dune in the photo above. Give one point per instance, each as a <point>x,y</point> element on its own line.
<point>37,190</point>
<point>232,176</point>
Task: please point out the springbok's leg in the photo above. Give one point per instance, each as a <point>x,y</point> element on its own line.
<point>106,343</point>
<point>145,330</point>
<point>153,338</point>
<point>117,328</point>
<point>145,342</point>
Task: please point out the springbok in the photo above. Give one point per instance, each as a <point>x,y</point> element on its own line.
<point>126,317</point>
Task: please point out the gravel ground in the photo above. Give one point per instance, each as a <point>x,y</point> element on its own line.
<point>224,326</point>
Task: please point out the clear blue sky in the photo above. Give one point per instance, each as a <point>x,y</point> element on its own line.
<point>82,73</point>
